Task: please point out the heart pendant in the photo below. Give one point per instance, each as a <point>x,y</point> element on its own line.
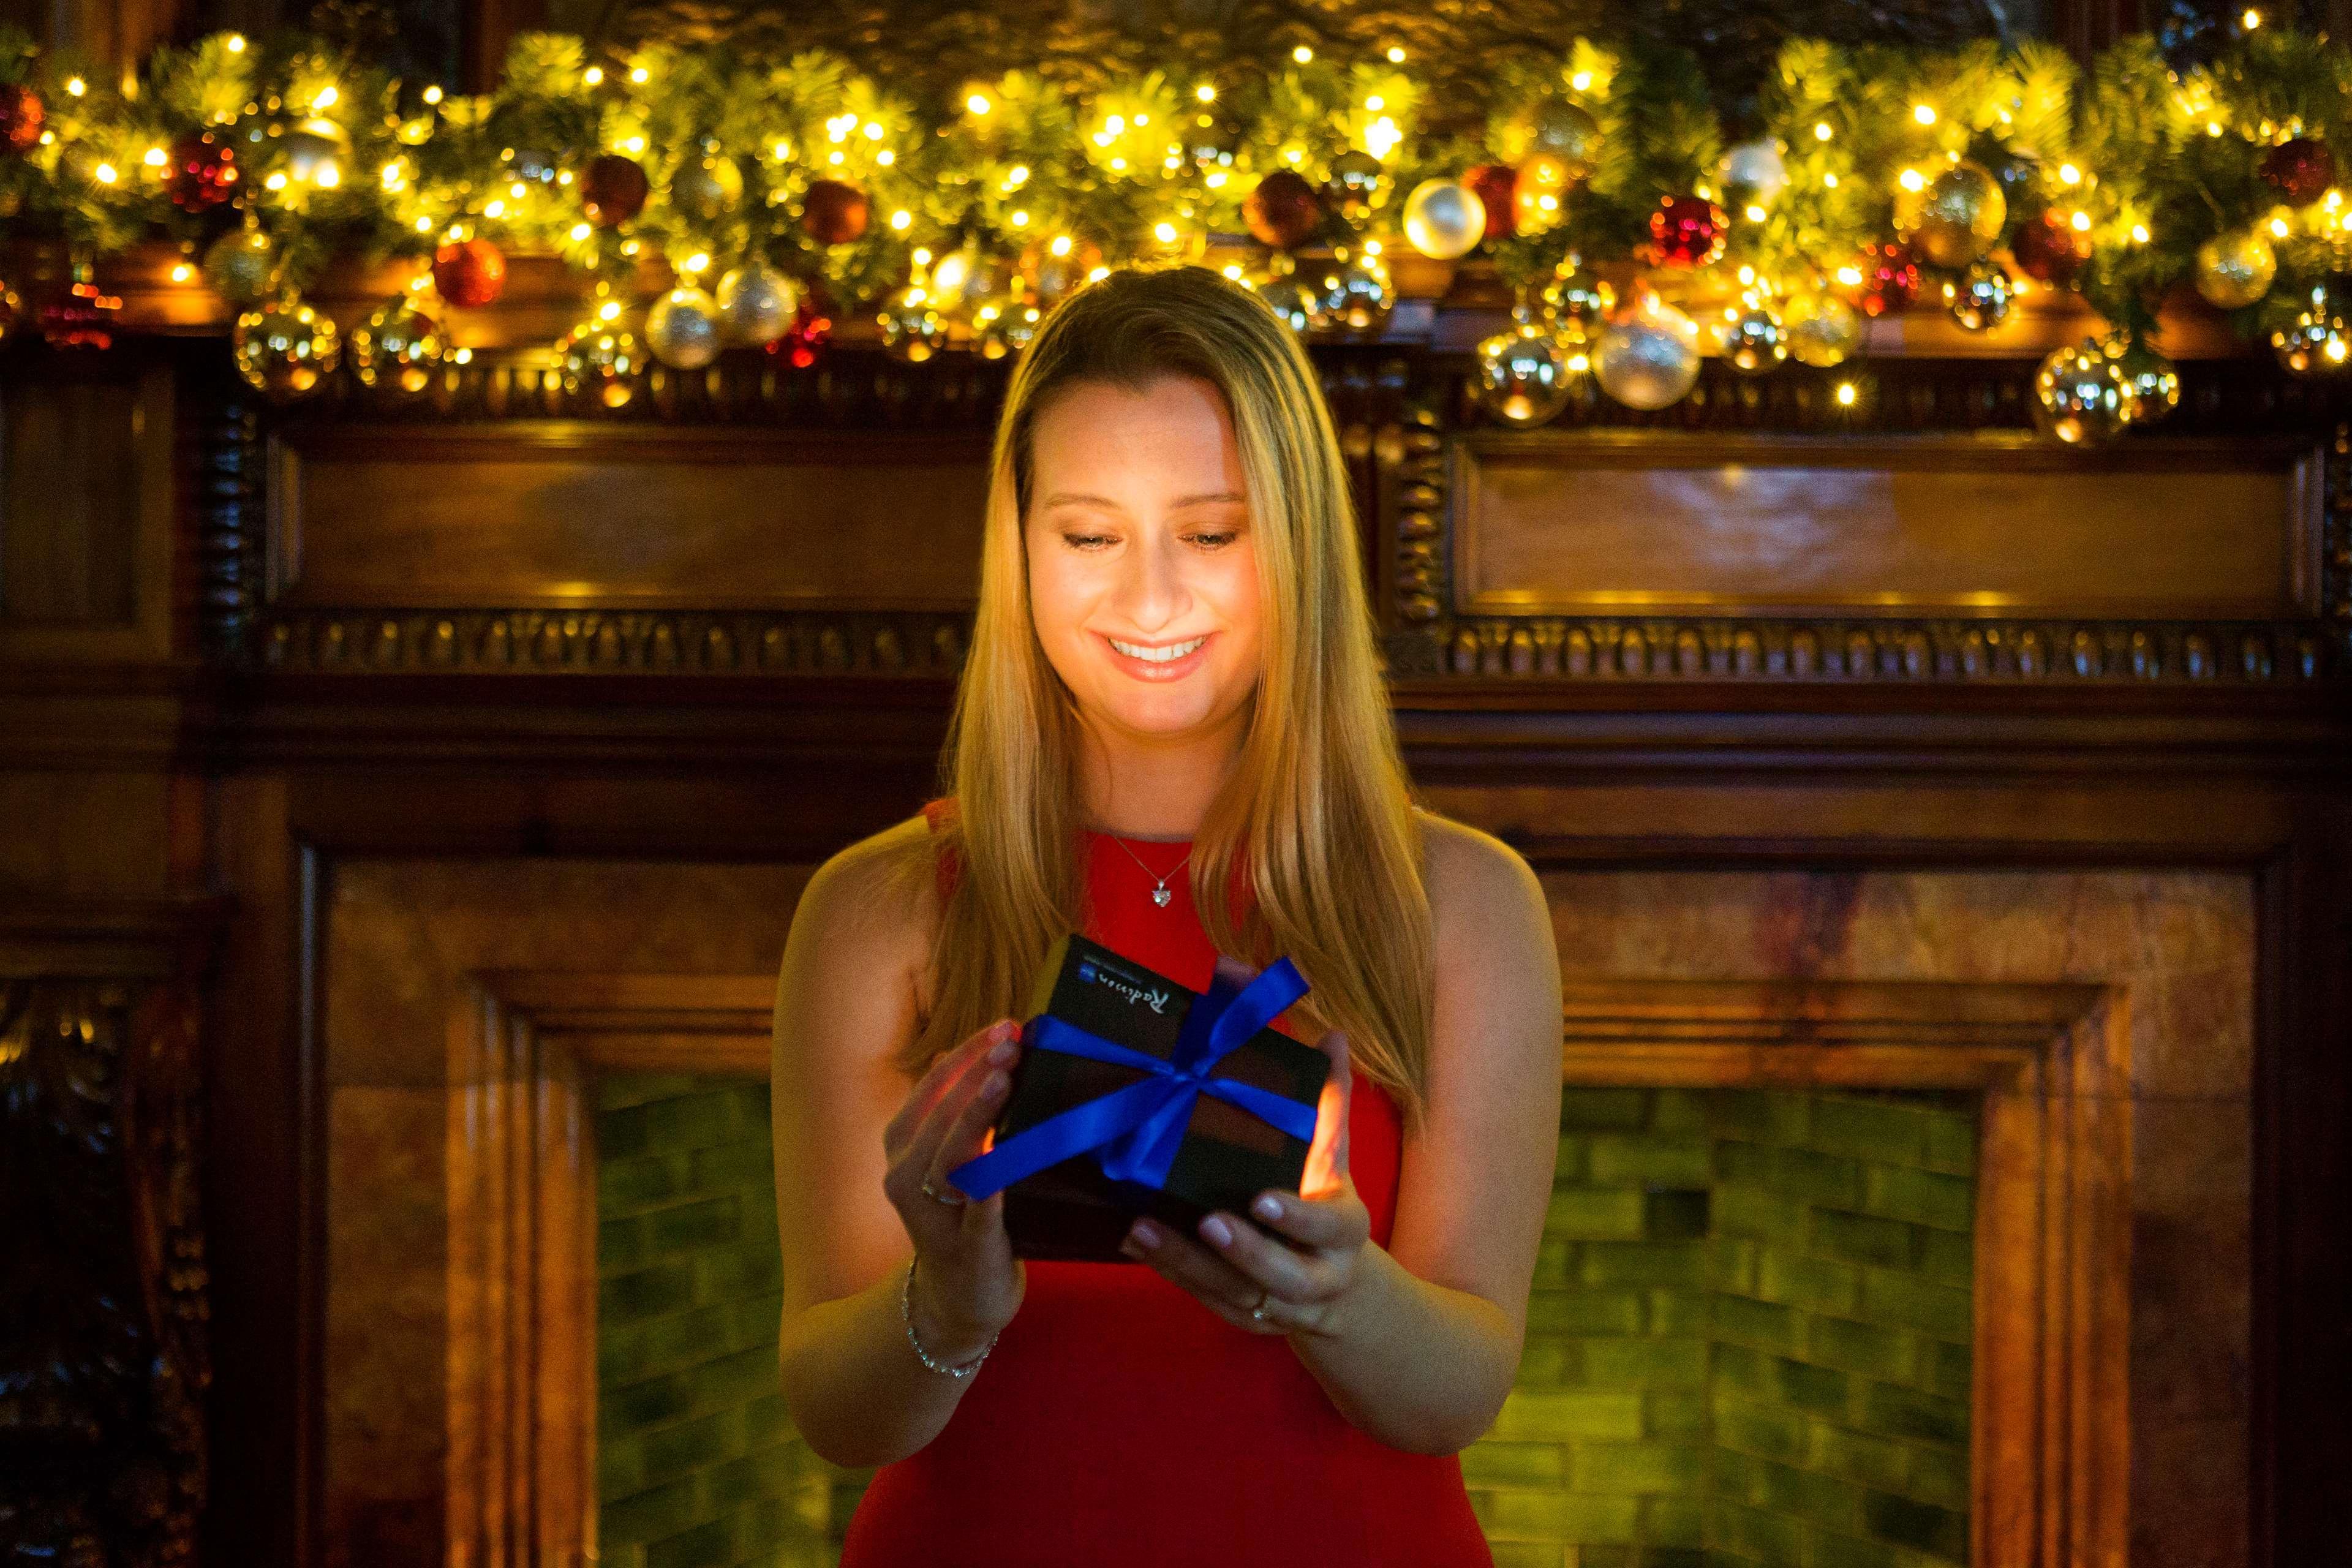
<point>1161,895</point>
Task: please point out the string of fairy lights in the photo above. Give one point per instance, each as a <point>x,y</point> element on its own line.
<point>1637,229</point>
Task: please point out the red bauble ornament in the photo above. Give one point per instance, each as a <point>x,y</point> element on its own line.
<point>2300,171</point>
<point>805,340</point>
<point>203,174</point>
<point>1686,231</point>
<point>469,273</point>
<point>613,189</point>
<point>1496,185</point>
<point>833,212</point>
<point>1890,278</point>
<point>1284,211</point>
<point>20,118</point>
<point>2049,249</point>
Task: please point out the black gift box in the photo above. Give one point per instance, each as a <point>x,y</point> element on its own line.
<point>1072,1210</point>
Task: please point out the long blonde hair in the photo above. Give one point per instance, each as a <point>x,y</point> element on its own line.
<point>1317,809</point>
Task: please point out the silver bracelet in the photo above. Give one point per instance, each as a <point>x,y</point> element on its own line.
<point>907,1310</point>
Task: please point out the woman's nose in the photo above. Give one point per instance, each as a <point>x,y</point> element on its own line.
<point>1151,589</point>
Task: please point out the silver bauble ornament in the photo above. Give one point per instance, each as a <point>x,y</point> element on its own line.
<point>1578,298</point>
<point>682,328</point>
<point>756,302</point>
<point>238,265</point>
<point>397,348</point>
<point>1979,297</point>
<point>315,152</point>
<point>1354,295</point>
<point>912,328</point>
<point>2235,269</point>
<point>602,361</point>
<point>1524,376</point>
<point>1290,295</point>
<point>284,348</point>
<point>2316,337</point>
<point>707,187</point>
<point>1753,337</point>
<point>2081,396</point>
<point>1003,330</point>
<point>2155,380</point>
<point>1445,218</point>
<point>1753,175</point>
<point>1647,357</point>
<point>1823,328</point>
<point>1356,181</point>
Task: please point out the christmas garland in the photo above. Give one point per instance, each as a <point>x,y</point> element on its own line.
<point>1602,182</point>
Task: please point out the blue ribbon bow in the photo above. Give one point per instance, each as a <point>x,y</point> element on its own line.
<point>1137,1129</point>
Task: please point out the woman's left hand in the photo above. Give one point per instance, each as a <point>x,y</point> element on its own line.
<point>1300,1260</point>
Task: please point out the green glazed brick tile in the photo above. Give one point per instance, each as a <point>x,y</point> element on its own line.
<point>734,1272</point>
<point>1584,1311</point>
<point>1760,1537</point>
<point>766,1419</point>
<point>1560,1311</point>
<point>1936,1531</point>
<point>644,1293</point>
<point>1749,1427</point>
<point>624,1243</point>
<point>688,1446</point>
<point>1948,1256</point>
<point>1602,1521</point>
<point>1761,1213</point>
<point>1938,1476</point>
<point>766,1474</point>
<point>623,1135</point>
<point>1673,1556</point>
<point>713,1222</point>
<point>1866,1348</point>
<point>1573,1164</point>
<point>1639,1468</point>
<point>1952,1142</point>
<point>1645,1363</point>
<point>1673,1312</point>
<point>1652,1161</point>
<point>1520,1514</point>
<point>1499,1463</point>
<point>1861,1456</point>
<point>1678,1110</point>
<point>755,1321</point>
<point>708,1545</point>
<point>1797,1279</point>
<point>1675,1413</point>
<point>619,1091</point>
<point>1805,1173</point>
<point>1756,1323</point>
<point>688,1339</point>
<point>625,1186</point>
<point>1817,1389</point>
<point>1731,1263</point>
<point>1831,1551</point>
<point>691,1121</point>
<point>1743,1371</point>
<point>1906,1413</point>
<point>1594,1213</point>
<point>1609,1263</point>
<point>1870,1130</point>
<point>649,1516</point>
<point>1672,1215</point>
<point>1862,1238</point>
<point>623,1354</point>
<point>1561,1414</point>
<point>1556,1261</point>
<point>1672,1526</point>
<point>640,1405</point>
<point>625,1554</point>
<point>620,1466</point>
<point>1808,1495</point>
<point>1530,1554</point>
<point>1923,1197</point>
<point>1549,1361</point>
<point>1604,1109</point>
<point>1760,1116</point>
<point>1939,1310</point>
<point>1607,1557</point>
<point>1947,1370</point>
<point>748,1166</point>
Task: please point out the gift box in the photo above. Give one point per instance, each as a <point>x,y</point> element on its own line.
<point>1134,1095</point>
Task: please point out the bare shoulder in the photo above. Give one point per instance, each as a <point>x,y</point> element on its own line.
<point>1479,886</point>
<point>868,911</point>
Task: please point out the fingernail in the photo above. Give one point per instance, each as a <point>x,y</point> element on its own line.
<point>1001,1053</point>
<point>1269,1206</point>
<point>1215,1228</point>
<point>995,1086</point>
<point>1145,1234</point>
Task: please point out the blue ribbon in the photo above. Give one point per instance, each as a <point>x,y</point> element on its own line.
<point>1137,1129</point>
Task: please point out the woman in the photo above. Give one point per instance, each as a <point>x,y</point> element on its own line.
<point>1171,734</point>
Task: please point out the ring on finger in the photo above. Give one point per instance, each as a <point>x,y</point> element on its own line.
<point>1257,1314</point>
<point>938,1196</point>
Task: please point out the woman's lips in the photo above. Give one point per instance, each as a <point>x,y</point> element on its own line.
<point>1168,670</point>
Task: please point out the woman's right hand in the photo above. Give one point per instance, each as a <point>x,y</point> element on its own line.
<point>968,1284</point>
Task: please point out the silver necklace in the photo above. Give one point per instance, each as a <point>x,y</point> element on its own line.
<point>1160,895</point>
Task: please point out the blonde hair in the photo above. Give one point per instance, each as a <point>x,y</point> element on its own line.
<point>1317,811</point>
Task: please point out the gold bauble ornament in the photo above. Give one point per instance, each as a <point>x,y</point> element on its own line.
<point>398,347</point>
<point>1979,297</point>
<point>1753,338</point>
<point>1525,375</point>
<point>707,187</point>
<point>1356,179</point>
<point>1566,132</point>
<point>756,302</point>
<point>602,361</point>
<point>1823,328</point>
<point>315,152</point>
<point>2316,339</point>
<point>2155,380</point>
<point>682,328</point>
<point>2081,396</point>
<point>284,348</point>
<point>238,265</point>
<point>1444,219</point>
<point>1576,297</point>
<point>1538,192</point>
<point>1955,217</point>
<point>912,328</point>
<point>1355,295</point>
<point>1002,331</point>
<point>1647,357</point>
<point>2236,269</point>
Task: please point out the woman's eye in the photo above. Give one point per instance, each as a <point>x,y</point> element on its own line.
<point>1219,538</point>
<point>1083,541</point>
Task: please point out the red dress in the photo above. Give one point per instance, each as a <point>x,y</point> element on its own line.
<point>1120,1422</point>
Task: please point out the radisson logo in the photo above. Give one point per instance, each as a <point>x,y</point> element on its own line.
<point>1156,1000</point>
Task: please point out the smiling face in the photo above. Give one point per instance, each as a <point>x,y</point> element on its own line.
<point>1141,548</point>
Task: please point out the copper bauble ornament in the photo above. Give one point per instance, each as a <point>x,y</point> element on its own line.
<point>912,328</point>
<point>398,347</point>
<point>2317,338</point>
<point>202,172</point>
<point>601,363</point>
<point>21,117</point>
<point>1647,357</point>
<point>1567,131</point>
<point>756,302</point>
<point>2081,396</point>
<point>1444,219</point>
<point>2049,249</point>
<point>1753,338</point>
<point>1356,179</point>
<point>1823,328</point>
<point>613,189</point>
<point>2234,269</point>
<point>1686,231</point>
<point>1283,210</point>
<point>239,264</point>
<point>284,348</point>
<point>707,187</point>
<point>1955,217</point>
<point>2155,380</point>
<point>469,273</point>
<point>833,212</point>
<point>1496,185</point>
<point>1978,298</point>
<point>1354,295</point>
<point>2300,169</point>
<point>682,328</point>
<point>1524,376</point>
